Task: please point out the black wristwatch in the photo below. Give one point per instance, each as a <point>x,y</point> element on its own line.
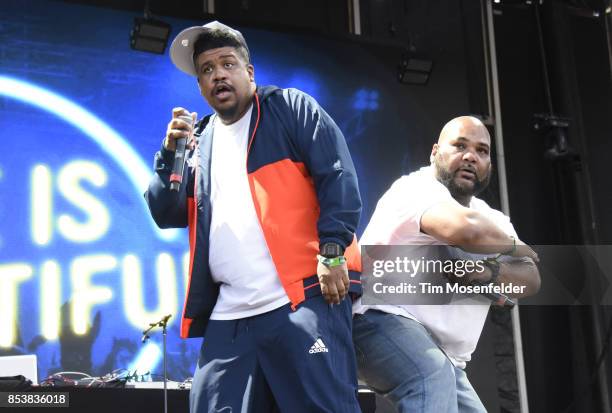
<point>331,250</point>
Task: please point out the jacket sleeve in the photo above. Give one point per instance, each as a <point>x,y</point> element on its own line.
<point>168,208</point>
<point>329,162</point>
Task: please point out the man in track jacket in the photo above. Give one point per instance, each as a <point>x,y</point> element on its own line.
<point>270,196</point>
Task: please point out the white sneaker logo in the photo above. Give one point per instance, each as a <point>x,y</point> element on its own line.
<point>318,347</point>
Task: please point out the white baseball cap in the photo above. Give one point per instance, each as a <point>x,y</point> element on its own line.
<point>181,50</point>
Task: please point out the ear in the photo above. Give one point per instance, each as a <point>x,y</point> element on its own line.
<point>251,71</point>
<point>434,152</point>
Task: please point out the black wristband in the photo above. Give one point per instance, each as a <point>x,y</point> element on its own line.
<point>493,265</point>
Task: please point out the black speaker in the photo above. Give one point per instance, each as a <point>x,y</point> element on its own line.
<point>15,383</point>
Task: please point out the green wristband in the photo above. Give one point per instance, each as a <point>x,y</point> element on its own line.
<point>331,262</point>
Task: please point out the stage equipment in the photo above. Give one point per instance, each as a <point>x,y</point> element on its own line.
<point>149,34</point>
<point>413,71</point>
<point>26,366</point>
<point>163,323</point>
<point>570,186</point>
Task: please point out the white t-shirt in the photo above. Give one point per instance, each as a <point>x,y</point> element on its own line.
<point>239,258</point>
<point>397,221</point>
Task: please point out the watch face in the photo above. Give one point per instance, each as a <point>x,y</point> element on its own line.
<point>331,249</point>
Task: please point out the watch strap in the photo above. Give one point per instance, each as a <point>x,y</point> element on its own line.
<point>493,265</point>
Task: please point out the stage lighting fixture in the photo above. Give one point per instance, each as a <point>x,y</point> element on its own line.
<point>149,35</point>
<point>414,71</point>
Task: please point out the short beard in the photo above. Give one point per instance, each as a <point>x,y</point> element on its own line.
<point>228,114</point>
<point>460,193</point>
<point>233,113</point>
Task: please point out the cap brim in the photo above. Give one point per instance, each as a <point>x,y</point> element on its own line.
<point>181,49</point>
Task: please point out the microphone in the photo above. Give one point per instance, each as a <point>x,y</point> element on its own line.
<point>161,323</point>
<point>500,299</point>
<point>176,177</point>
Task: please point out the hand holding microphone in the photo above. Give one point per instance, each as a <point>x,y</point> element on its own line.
<point>178,137</point>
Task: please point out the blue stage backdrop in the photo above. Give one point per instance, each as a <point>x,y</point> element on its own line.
<point>83,268</point>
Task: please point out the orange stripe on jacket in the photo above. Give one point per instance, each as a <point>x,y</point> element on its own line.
<point>353,255</point>
<point>192,220</point>
<point>288,209</point>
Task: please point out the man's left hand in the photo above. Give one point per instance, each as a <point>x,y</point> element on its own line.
<point>334,282</point>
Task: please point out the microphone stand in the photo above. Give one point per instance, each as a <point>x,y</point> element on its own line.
<point>163,323</point>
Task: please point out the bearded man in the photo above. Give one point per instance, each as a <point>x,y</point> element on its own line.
<point>415,355</point>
